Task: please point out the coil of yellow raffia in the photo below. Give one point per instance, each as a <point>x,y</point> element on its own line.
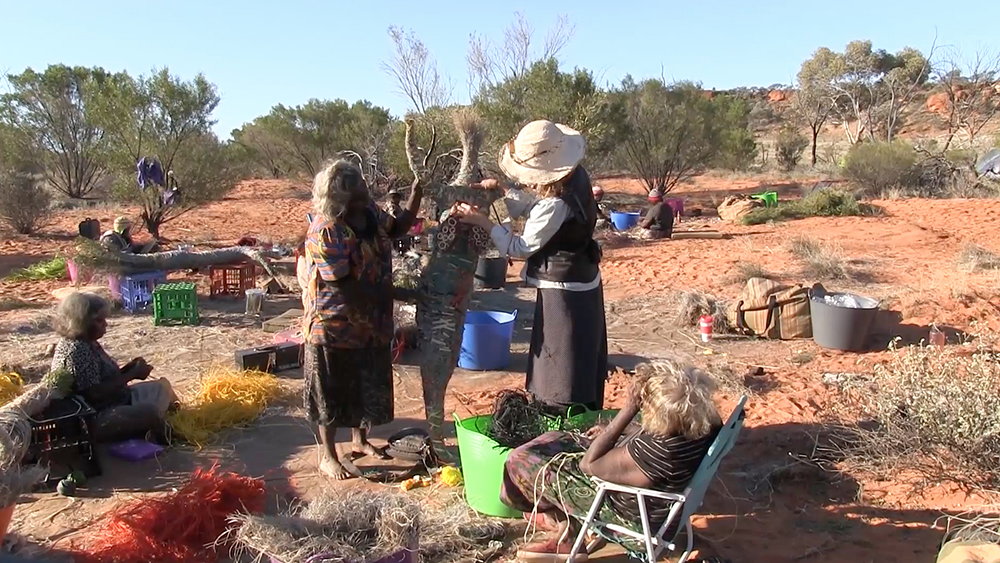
<point>11,386</point>
<point>225,398</point>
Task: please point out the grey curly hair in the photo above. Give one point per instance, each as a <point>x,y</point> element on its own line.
<point>77,313</point>
<point>332,187</point>
<point>676,399</point>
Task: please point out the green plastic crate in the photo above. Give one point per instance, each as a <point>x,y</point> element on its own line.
<point>175,303</point>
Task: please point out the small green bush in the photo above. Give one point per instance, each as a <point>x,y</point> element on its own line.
<point>790,146</point>
<point>54,269</point>
<point>878,169</point>
<point>24,203</point>
<point>820,203</point>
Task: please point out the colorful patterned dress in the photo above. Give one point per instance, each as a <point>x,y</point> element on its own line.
<point>348,322</point>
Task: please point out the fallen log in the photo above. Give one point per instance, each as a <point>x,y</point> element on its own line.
<point>687,235</point>
<point>93,255</point>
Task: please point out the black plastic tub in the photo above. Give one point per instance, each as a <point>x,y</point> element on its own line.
<point>491,273</point>
<point>844,325</point>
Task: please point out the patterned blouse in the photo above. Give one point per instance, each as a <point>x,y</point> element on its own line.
<point>89,365</point>
<point>335,252</point>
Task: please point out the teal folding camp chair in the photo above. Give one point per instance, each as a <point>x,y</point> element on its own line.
<point>684,504</point>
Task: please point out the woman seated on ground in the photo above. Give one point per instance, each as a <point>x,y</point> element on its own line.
<point>659,221</point>
<point>124,411</point>
<point>549,478</point>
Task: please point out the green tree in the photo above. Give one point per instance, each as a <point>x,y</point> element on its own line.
<point>304,137</point>
<point>51,109</point>
<point>869,88</point>
<point>168,118</point>
<point>259,144</point>
<point>790,145</point>
<point>737,149</point>
<point>672,132</point>
<point>545,92</point>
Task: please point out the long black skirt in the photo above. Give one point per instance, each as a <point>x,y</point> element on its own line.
<point>568,360</point>
<point>349,387</point>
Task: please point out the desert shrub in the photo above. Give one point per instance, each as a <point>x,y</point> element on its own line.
<point>819,203</point>
<point>24,203</point>
<point>930,409</point>
<point>821,261</point>
<point>880,168</point>
<point>789,148</point>
<point>974,258</point>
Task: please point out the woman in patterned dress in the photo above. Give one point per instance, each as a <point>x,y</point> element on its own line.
<point>124,409</point>
<point>348,323</point>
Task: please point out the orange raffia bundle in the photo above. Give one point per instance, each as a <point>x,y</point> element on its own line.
<point>181,526</point>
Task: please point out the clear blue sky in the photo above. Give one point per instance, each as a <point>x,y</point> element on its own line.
<point>261,53</point>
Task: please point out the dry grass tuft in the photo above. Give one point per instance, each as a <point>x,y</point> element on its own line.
<point>693,305</point>
<point>745,270</point>
<point>821,262</point>
<point>975,258</point>
<point>928,409</point>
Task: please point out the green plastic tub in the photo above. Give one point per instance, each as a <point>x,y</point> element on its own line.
<point>483,458</point>
<point>482,466</point>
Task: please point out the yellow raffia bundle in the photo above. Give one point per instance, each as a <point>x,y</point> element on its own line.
<point>226,398</point>
<point>11,386</point>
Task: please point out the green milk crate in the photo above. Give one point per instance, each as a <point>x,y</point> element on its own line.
<point>175,303</point>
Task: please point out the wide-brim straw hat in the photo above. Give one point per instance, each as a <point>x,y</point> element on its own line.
<point>543,153</point>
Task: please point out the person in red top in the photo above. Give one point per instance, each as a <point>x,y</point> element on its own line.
<point>348,323</point>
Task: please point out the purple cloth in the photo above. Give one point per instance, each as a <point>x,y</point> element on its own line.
<point>149,172</point>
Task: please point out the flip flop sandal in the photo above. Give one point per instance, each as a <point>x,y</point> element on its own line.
<point>411,444</point>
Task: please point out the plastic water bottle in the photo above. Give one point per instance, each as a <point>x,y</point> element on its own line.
<point>705,323</point>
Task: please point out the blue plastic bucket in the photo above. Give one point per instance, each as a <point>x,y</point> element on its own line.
<point>486,340</point>
<point>624,221</point>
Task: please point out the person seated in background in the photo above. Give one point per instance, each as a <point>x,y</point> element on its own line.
<point>548,478</point>
<point>659,221</point>
<point>124,409</point>
<point>603,211</point>
<point>118,239</point>
<point>394,207</point>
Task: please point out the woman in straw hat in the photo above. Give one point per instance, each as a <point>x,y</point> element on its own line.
<point>568,363</point>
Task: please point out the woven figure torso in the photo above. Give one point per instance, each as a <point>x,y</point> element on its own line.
<point>446,286</point>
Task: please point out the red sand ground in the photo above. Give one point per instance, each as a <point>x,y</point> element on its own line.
<point>771,508</point>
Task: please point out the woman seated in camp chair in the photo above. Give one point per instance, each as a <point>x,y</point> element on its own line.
<point>124,410</point>
<point>549,478</point>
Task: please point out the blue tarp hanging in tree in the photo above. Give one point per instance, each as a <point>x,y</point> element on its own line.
<point>149,172</point>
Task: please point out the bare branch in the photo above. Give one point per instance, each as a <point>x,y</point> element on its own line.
<point>489,65</point>
<point>416,72</point>
<point>417,166</point>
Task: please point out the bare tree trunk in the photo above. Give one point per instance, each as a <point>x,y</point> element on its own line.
<point>815,140</point>
<point>173,260</point>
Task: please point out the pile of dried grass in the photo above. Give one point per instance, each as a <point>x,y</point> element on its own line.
<point>363,526</point>
<point>694,305</point>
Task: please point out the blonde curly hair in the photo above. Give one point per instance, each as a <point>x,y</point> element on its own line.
<point>676,399</point>
<point>332,187</point>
